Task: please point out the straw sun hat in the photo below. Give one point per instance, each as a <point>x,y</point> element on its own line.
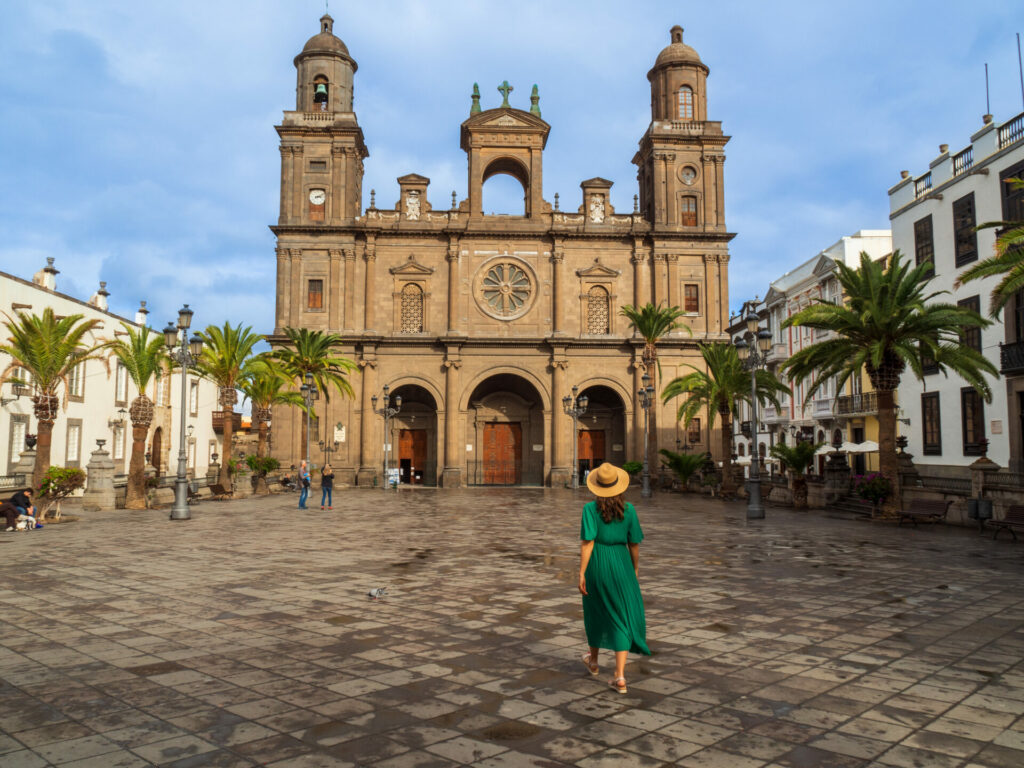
<point>607,480</point>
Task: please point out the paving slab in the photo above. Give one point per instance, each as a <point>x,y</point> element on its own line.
<point>245,637</point>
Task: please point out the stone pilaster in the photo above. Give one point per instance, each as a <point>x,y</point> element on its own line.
<point>367,423</point>
<point>454,456</point>
<point>561,471</point>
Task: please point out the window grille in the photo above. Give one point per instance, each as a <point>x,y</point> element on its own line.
<point>688,212</point>
<point>412,308</point>
<point>597,310</point>
<point>686,103</point>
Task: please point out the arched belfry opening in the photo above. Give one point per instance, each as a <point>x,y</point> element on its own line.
<point>508,142</point>
<point>506,187</point>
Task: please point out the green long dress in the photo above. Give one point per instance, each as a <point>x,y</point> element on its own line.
<point>613,609</point>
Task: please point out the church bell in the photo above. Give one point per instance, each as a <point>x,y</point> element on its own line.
<point>320,94</point>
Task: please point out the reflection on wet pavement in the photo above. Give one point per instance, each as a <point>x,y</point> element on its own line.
<point>245,637</point>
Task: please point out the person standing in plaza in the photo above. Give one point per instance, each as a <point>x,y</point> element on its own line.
<point>303,484</point>
<point>327,486</point>
<point>613,608</point>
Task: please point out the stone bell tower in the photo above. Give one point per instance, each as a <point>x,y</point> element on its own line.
<point>322,148</point>
<point>681,155</point>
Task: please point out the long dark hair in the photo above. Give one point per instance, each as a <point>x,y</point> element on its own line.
<point>611,507</point>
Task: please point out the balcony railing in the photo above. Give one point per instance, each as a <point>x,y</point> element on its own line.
<point>823,406</point>
<point>218,422</point>
<point>922,184</point>
<point>1011,357</point>
<point>1011,131</point>
<point>962,161</point>
<point>849,405</point>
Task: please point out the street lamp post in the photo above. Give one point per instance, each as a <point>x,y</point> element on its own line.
<point>185,351</point>
<point>646,399</point>
<point>387,411</point>
<point>575,405</point>
<point>327,447</point>
<point>309,394</point>
<point>752,348</point>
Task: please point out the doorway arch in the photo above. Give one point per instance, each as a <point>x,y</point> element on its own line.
<point>506,426</point>
<point>414,436</point>
<point>601,431</point>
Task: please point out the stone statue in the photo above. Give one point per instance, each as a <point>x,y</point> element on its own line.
<point>412,206</point>
<point>596,209</point>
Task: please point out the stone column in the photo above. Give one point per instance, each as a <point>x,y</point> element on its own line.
<point>350,288</point>
<point>281,310</point>
<point>334,297</point>
<point>296,183</point>
<point>638,413</point>
<point>99,490</point>
<point>370,256</point>
<point>672,272</point>
<point>561,469</point>
<point>339,192</point>
<point>295,308</point>
<point>286,184</point>
<point>454,458</point>
<point>367,425</point>
<point>672,213</point>
<point>453,290</point>
<point>558,306</point>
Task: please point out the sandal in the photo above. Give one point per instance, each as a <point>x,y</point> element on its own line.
<point>618,684</point>
<point>591,668</point>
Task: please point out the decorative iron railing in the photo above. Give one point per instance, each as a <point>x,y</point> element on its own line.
<point>1011,357</point>
<point>1011,131</point>
<point>962,161</point>
<point>847,405</point>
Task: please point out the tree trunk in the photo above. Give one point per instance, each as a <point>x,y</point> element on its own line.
<point>888,464</point>
<point>228,396</point>
<point>799,486</point>
<point>727,485</point>
<point>46,414</point>
<point>135,497</point>
<point>650,358</point>
<point>262,488</point>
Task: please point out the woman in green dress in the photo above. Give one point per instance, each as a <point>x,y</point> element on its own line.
<point>613,609</point>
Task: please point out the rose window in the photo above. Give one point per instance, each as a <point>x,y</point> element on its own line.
<point>506,290</point>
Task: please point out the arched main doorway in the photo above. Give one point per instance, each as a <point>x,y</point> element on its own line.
<point>414,438</point>
<point>601,431</point>
<point>506,426</point>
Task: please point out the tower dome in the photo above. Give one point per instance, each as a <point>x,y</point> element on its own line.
<point>677,52</point>
<point>325,71</point>
<point>325,41</point>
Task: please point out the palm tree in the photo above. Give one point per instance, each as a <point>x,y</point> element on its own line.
<point>720,388</point>
<point>1007,261</point>
<point>264,386</point>
<point>652,323</point>
<point>796,458</point>
<point>887,324</point>
<point>683,465</point>
<point>143,356</point>
<point>48,348</point>
<point>312,352</point>
<point>227,353</point>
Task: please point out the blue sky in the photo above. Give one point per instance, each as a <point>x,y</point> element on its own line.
<point>137,142</point>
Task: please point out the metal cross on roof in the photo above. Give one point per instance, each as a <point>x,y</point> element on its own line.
<point>505,89</point>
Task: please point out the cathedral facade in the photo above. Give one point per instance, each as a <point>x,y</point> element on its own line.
<point>483,324</point>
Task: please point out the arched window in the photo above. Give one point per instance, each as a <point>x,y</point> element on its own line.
<point>742,450</point>
<point>597,310</point>
<point>688,211</point>
<point>320,93</point>
<point>686,103</point>
<point>412,308</point>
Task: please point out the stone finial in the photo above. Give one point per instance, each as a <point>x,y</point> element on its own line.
<point>636,203</point>
<point>505,89</point>
<point>327,24</point>
<point>47,276</point>
<point>904,174</point>
<point>676,33</point>
<point>556,201</point>
<point>141,313</point>
<point>373,199</point>
<point>986,119</point>
<point>99,299</point>
<point>453,200</point>
<point>535,101</point>
<point>943,149</point>
<point>475,109</point>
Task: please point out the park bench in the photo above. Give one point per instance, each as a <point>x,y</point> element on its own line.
<point>1013,519</point>
<point>219,492</point>
<point>928,510</point>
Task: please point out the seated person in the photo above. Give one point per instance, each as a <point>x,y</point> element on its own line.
<point>23,501</point>
<point>287,482</point>
<point>12,515</point>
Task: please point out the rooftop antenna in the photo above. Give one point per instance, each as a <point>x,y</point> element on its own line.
<point>1020,69</point>
<point>988,107</point>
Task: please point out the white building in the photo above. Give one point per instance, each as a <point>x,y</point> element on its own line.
<point>99,395</point>
<point>829,410</point>
<point>933,218</point>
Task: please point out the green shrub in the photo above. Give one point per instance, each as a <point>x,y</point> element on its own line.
<point>632,467</point>
<point>683,465</point>
<point>59,482</point>
<point>262,466</point>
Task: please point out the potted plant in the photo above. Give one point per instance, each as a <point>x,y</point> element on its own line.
<point>261,466</point>
<point>632,468</point>
<point>682,465</point>
<point>873,487</point>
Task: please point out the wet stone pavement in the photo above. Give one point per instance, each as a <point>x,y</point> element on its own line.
<point>245,637</point>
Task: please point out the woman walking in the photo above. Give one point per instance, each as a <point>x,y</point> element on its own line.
<point>303,484</point>
<point>613,609</point>
<point>327,486</point>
